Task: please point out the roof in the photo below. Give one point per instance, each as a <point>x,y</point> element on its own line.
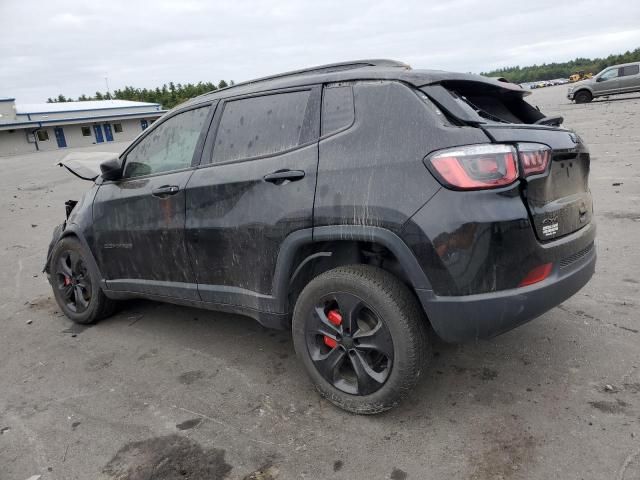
<point>57,107</point>
<point>349,71</point>
<point>7,99</point>
<point>113,116</point>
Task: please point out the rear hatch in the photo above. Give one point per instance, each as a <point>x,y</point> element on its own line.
<point>558,200</point>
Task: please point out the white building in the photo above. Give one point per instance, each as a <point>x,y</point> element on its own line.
<point>26,128</point>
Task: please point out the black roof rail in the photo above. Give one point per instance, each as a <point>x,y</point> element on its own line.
<point>328,68</point>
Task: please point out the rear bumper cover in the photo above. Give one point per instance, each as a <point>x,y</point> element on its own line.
<point>463,318</point>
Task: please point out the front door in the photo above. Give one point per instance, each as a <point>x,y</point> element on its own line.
<point>107,132</point>
<point>139,220</point>
<point>62,142</point>
<point>258,188</point>
<point>97,129</point>
<point>607,82</point>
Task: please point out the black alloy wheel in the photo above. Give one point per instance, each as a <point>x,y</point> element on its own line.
<point>349,344</point>
<point>73,281</point>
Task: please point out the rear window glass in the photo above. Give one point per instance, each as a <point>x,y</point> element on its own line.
<point>630,70</point>
<point>337,108</point>
<point>258,126</point>
<point>494,104</point>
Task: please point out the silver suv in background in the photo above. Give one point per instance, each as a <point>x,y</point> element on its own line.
<point>610,81</point>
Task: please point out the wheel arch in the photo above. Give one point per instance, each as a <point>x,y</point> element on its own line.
<point>72,230</point>
<point>584,89</point>
<point>309,252</point>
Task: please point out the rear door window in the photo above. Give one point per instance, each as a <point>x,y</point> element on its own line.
<point>265,125</point>
<point>630,70</point>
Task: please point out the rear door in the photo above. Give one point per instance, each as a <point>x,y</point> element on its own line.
<point>630,78</point>
<point>255,186</point>
<point>139,219</point>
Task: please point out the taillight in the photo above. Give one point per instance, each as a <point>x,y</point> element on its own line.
<point>475,167</point>
<point>534,158</point>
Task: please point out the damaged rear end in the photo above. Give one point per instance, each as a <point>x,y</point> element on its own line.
<point>524,199</point>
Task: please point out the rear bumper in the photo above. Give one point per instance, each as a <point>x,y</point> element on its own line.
<point>462,318</point>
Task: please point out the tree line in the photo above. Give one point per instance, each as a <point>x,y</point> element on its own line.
<point>169,95</point>
<point>549,71</point>
<point>172,94</point>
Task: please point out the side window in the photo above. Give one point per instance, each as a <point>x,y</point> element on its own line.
<point>337,108</point>
<point>630,70</point>
<point>265,125</point>
<point>609,74</point>
<point>168,147</point>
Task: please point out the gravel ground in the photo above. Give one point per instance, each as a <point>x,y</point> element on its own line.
<point>164,392</point>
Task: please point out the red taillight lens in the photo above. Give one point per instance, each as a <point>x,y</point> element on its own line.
<point>537,274</point>
<point>475,167</point>
<point>534,158</point>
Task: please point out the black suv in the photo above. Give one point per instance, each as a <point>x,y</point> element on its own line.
<point>363,205</point>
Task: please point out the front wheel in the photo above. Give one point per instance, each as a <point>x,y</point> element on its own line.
<point>76,286</point>
<point>583,96</point>
<point>361,336</point>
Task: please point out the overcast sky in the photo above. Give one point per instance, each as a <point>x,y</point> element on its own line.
<point>69,46</point>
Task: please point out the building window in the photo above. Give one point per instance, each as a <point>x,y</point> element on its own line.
<point>86,131</point>
<point>117,127</point>
<point>43,135</point>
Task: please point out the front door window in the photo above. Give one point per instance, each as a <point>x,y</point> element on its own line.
<point>170,146</point>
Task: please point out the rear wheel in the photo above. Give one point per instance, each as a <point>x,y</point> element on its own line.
<point>361,336</point>
<point>583,96</point>
<point>76,285</point>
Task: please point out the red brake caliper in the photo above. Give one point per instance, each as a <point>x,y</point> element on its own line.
<point>67,281</point>
<point>334,318</point>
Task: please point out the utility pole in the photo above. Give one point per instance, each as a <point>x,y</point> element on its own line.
<point>106,81</point>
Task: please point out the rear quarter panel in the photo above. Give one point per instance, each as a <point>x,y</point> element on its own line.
<point>373,173</point>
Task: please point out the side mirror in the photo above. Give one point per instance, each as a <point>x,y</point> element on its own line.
<point>111,169</point>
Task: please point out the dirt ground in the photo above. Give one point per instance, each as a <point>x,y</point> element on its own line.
<point>168,392</point>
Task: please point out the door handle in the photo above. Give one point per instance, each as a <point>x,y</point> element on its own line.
<point>281,176</point>
<point>165,191</point>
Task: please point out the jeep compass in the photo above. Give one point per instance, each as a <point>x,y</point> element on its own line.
<point>365,206</point>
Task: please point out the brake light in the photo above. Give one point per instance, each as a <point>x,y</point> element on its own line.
<point>537,274</point>
<point>534,158</point>
<point>475,167</point>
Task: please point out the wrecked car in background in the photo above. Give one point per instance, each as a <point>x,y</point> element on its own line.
<point>355,204</point>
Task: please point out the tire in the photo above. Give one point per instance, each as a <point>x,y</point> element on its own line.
<point>583,96</point>
<point>388,335</point>
<point>76,283</point>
